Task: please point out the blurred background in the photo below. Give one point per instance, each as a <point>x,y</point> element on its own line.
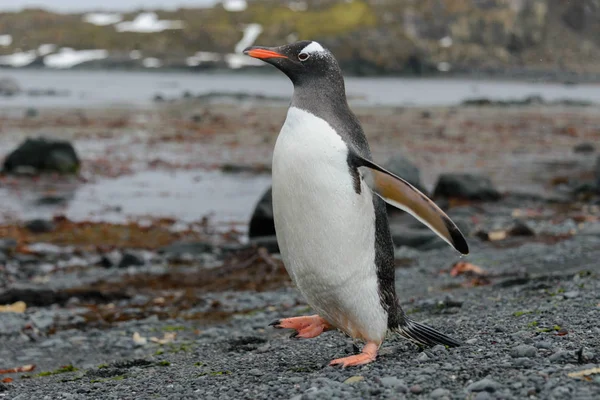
<point>136,139</point>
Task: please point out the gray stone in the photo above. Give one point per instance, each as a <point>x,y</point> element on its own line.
<point>399,165</point>
<point>416,389</point>
<point>43,319</point>
<point>130,259</point>
<point>466,186</point>
<point>393,382</point>
<point>43,155</point>
<point>39,226</point>
<point>439,393</point>
<point>12,323</point>
<point>486,384</point>
<point>523,350</point>
<point>572,294</point>
<point>262,223</point>
<point>422,357</point>
<point>7,245</point>
<point>483,396</point>
<point>561,392</point>
<point>560,356</point>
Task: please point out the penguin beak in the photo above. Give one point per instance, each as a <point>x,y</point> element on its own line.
<point>263,53</point>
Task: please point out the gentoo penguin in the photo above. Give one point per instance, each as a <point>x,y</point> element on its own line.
<point>330,215</point>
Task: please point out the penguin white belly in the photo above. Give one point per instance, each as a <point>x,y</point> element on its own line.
<point>325,230</point>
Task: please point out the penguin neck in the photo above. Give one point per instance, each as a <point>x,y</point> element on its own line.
<point>324,94</point>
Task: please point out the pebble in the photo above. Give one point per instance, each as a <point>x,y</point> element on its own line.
<point>560,356</point>
<point>485,384</point>
<point>130,259</point>
<point>523,350</point>
<point>354,379</point>
<point>393,382</point>
<point>561,392</point>
<point>422,357</point>
<point>416,389</point>
<point>573,294</point>
<point>439,393</point>
<point>483,396</point>
<point>40,226</point>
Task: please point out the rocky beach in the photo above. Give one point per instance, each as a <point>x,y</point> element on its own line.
<point>137,256</point>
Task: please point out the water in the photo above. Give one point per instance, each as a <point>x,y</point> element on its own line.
<point>187,196</point>
<point>137,89</point>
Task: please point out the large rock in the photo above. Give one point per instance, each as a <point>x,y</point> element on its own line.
<point>401,166</point>
<point>261,223</point>
<point>9,87</point>
<point>466,186</point>
<point>43,155</point>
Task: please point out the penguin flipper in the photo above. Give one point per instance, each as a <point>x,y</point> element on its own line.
<point>424,335</point>
<point>401,194</point>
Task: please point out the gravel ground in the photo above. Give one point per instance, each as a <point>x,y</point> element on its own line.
<point>523,334</point>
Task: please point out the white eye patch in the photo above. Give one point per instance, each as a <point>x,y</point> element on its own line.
<point>312,48</point>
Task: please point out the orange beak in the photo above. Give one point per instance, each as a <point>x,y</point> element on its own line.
<point>262,53</point>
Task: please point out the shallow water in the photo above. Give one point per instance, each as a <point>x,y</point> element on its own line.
<point>186,196</point>
<point>137,88</point>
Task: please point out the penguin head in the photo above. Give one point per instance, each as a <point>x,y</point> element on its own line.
<point>300,61</point>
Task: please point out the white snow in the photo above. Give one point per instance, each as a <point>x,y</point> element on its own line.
<point>5,40</point>
<point>235,61</point>
<point>18,59</point>
<point>148,22</point>
<point>235,5</point>
<point>67,57</point>
<point>446,41</point>
<point>444,66</point>
<point>201,57</point>
<point>102,19</point>
<point>46,49</point>
<point>251,33</point>
<point>135,54</point>
<point>313,47</point>
<point>151,62</point>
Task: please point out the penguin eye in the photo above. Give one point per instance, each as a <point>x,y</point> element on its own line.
<point>303,56</point>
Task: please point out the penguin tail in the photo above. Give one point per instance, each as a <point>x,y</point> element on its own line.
<point>423,335</point>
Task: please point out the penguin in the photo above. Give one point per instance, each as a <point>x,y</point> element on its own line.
<point>330,215</point>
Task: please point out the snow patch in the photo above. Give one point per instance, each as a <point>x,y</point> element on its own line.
<point>102,19</point>
<point>5,40</point>
<point>236,61</point>
<point>148,22</point>
<point>251,33</point>
<point>152,62</point>
<point>446,41</point>
<point>67,57</point>
<point>235,5</point>
<point>18,59</point>
<point>202,57</point>
<point>46,49</point>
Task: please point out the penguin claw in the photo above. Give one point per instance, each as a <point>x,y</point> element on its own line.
<point>369,353</point>
<point>294,334</point>
<point>276,323</point>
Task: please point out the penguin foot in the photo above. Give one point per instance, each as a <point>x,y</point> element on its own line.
<point>369,353</point>
<point>306,327</point>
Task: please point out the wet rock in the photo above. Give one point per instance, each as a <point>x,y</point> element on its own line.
<point>520,228</point>
<point>523,350</point>
<point>39,226</point>
<point>130,260</point>
<point>402,167</point>
<point>484,385</point>
<point>268,242</point>
<point>585,147</point>
<point>261,223</point>
<point>8,245</point>
<point>9,87</point>
<point>43,155</point>
<point>182,248</point>
<point>410,237</point>
<point>466,186</point>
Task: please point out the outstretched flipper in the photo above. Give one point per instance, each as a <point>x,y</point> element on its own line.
<point>424,335</point>
<point>401,194</point>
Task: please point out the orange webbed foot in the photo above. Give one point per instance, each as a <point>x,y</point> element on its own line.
<point>306,327</point>
<point>369,353</point>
